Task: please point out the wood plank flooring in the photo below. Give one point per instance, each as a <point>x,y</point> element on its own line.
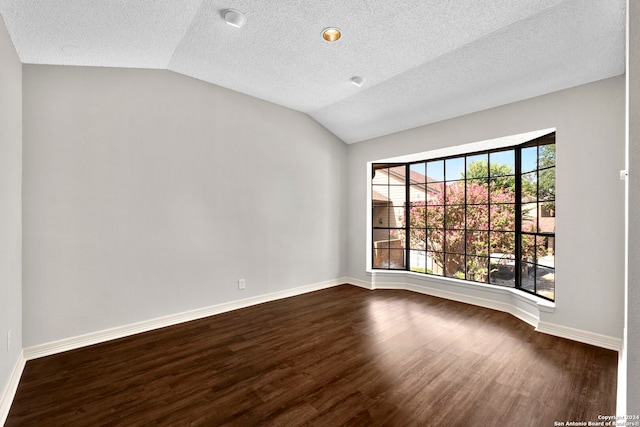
<point>340,356</point>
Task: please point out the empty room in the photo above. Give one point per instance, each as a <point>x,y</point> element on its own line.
<point>402,213</point>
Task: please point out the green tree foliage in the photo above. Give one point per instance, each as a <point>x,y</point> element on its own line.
<point>500,176</point>
<point>547,175</point>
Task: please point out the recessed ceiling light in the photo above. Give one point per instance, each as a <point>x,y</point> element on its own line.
<point>357,80</point>
<point>331,34</point>
<point>234,18</point>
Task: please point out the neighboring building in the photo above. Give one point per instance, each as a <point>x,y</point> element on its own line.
<point>389,201</point>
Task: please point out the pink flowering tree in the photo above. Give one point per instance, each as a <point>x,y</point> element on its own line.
<point>447,230</point>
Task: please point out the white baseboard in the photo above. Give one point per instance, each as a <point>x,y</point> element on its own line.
<point>531,318</point>
<point>9,391</point>
<point>148,325</point>
<point>580,335</point>
<point>359,283</point>
<point>73,343</point>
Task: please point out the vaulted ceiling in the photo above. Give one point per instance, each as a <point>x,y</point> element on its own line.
<point>423,60</point>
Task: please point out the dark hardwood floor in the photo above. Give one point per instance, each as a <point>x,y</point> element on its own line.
<point>341,356</point>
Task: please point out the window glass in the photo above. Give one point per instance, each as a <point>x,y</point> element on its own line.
<point>529,158</point>
<point>418,173</point>
<point>454,169</point>
<point>477,217</point>
<point>486,217</point>
<point>502,163</point>
<point>477,191</point>
<point>435,216</point>
<point>478,166</point>
<point>478,243</point>
<point>435,170</point>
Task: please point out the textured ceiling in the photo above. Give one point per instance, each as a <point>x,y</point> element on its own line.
<point>423,60</point>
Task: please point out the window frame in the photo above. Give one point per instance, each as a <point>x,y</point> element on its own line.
<point>405,231</point>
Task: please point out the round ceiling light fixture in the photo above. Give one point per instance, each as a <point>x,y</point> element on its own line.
<point>234,18</point>
<point>357,80</point>
<point>331,34</point>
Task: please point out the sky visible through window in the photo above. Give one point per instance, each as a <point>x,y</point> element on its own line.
<point>455,166</point>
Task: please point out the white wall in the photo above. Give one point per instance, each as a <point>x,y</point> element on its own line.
<point>148,193</point>
<point>633,297</point>
<point>10,206</point>
<point>590,196</point>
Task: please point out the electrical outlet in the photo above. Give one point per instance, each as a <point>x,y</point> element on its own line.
<point>9,340</point>
<point>241,284</point>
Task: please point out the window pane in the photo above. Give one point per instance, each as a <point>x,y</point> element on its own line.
<point>478,166</point>
<point>547,156</point>
<point>454,266</point>
<point>397,238</point>
<point>545,249</point>
<point>454,217</point>
<point>529,159</point>
<point>502,217</point>
<point>397,195</point>
<point>502,244</point>
<point>418,261</point>
<point>477,217</point>
<point>547,184</point>
<point>418,238</point>
<point>382,238</point>
<point>435,170</point>
<point>388,253</point>
<point>396,217</point>
<point>546,217</point>
<point>502,163</point>
<point>477,269</point>
<point>545,281</point>
<point>454,169</point>
<point>454,192</point>
<point>380,193</point>
<point>529,217</point>
<point>543,271</point>
<point>380,256</point>
<point>380,216</point>
<point>380,234</point>
<point>435,193</point>
<point>454,242</point>
<point>435,216</point>
<point>380,176</point>
<point>435,240</point>
<point>396,258</point>
<point>435,263</point>
<point>418,214</point>
<point>529,187</point>
<point>397,175</point>
<point>528,248</point>
<point>477,191</point>
<point>418,173</point>
<point>502,270</point>
<point>478,243</point>
<point>503,189</point>
<point>527,278</point>
<point>418,193</point>
<point>537,249</point>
